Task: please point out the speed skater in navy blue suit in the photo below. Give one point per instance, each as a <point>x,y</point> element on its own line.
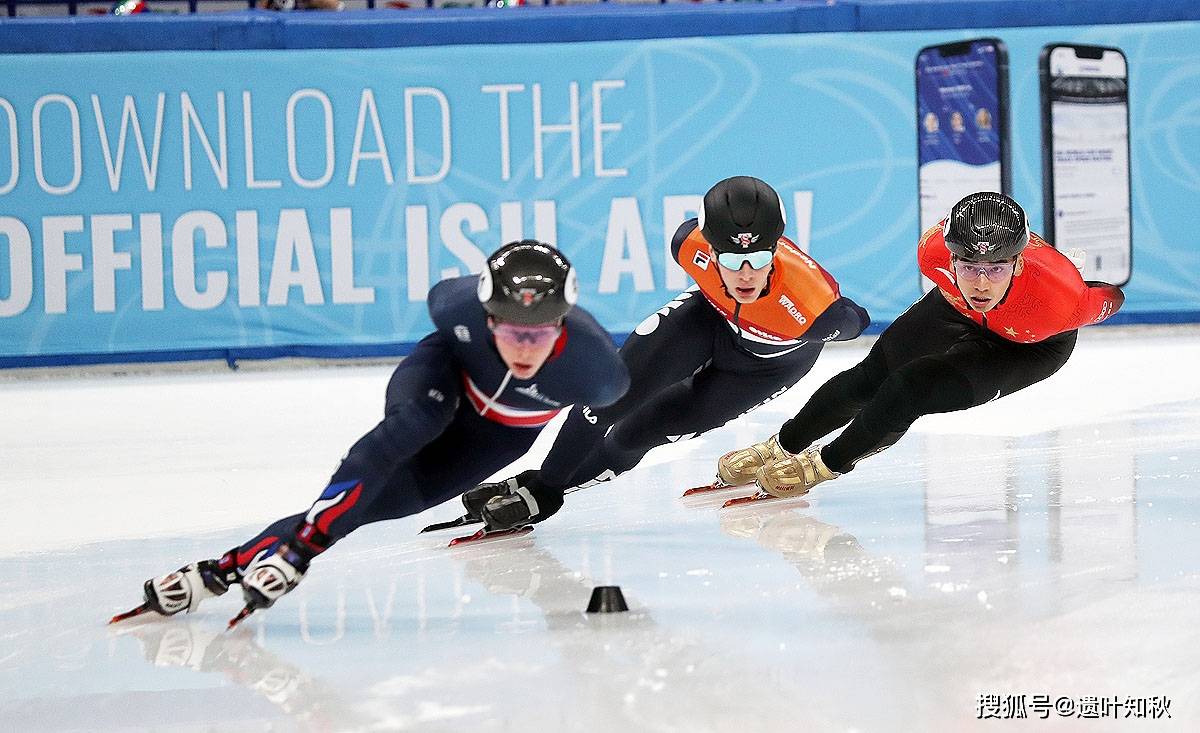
<point>508,352</point>
<point>753,325</point>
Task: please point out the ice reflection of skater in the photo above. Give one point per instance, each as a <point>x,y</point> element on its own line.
<point>308,703</point>
<point>832,560</point>
<point>942,588</point>
<point>910,641</point>
<point>627,671</point>
<point>941,628</point>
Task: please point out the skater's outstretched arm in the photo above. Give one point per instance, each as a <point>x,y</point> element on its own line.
<point>422,397</point>
<point>843,320</point>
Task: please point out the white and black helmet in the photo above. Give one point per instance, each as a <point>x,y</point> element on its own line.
<point>528,282</point>
<point>741,214</point>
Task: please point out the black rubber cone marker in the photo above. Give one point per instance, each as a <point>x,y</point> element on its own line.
<point>607,599</point>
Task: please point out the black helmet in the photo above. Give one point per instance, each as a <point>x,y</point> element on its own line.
<point>528,282</point>
<point>741,214</point>
<point>986,227</point>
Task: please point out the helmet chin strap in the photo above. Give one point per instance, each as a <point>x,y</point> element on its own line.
<point>491,401</point>
<point>767,285</point>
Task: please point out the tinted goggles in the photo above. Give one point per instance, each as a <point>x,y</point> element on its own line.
<point>527,335</point>
<point>757,260</point>
<point>993,271</point>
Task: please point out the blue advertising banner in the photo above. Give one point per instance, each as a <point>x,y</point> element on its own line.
<point>177,201</point>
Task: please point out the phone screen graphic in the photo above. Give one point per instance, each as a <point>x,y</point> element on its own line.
<point>1087,206</point>
<point>960,124</point>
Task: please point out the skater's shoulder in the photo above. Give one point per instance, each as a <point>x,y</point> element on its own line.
<point>685,230</point>
<point>586,339</point>
<point>454,298</point>
<point>931,247</point>
<point>1042,256</point>
<point>589,359</point>
<point>802,278</point>
<point>790,256</point>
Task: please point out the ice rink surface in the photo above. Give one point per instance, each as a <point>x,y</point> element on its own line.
<point>1047,544</point>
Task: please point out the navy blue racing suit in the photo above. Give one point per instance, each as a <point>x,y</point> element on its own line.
<point>452,417</point>
<point>703,360</point>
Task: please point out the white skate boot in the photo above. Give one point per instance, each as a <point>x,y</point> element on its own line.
<point>270,579</point>
<point>182,590</point>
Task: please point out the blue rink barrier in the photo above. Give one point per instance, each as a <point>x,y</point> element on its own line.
<point>900,15</point>
<point>321,170</point>
<point>401,349</point>
<point>383,28</point>
<point>386,28</point>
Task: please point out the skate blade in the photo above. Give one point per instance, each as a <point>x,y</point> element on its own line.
<point>242,614</point>
<point>717,485</point>
<point>145,607</point>
<point>484,534</point>
<point>754,499</point>
<point>462,521</point>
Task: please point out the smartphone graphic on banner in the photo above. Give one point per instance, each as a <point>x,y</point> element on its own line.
<point>1085,157</point>
<point>962,125</point>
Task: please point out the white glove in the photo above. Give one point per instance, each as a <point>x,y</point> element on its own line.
<point>1078,257</point>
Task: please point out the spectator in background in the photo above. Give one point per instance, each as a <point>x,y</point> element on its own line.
<point>300,5</point>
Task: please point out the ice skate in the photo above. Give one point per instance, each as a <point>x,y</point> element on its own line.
<point>739,467</point>
<point>491,534</point>
<point>794,475</point>
<point>473,501</point>
<point>462,521</point>
<point>716,485</point>
<point>269,579</point>
<point>182,590</point>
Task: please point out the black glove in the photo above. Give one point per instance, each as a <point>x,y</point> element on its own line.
<point>474,499</point>
<point>526,501</point>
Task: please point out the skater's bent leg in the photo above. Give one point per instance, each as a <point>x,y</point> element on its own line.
<point>266,541</point>
<point>695,406</point>
<point>929,327</point>
<point>921,387</point>
<point>668,347</point>
<point>469,452</point>
<point>833,405</point>
<point>971,373</point>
